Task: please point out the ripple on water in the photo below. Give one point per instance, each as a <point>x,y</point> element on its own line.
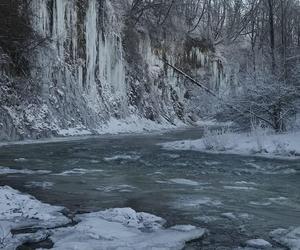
<point>240,188</point>
<point>6,171</point>
<point>195,202</point>
<point>206,219</point>
<point>20,160</point>
<point>122,157</point>
<point>123,188</point>
<point>79,171</point>
<point>182,181</point>
<point>40,184</point>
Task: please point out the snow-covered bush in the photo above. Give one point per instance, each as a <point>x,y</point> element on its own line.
<point>259,133</point>
<point>265,97</point>
<point>218,140</point>
<point>281,148</point>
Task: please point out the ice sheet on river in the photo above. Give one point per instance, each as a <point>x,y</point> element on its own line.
<point>119,228</point>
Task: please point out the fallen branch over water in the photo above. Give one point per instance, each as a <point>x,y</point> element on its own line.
<point>215,95</point>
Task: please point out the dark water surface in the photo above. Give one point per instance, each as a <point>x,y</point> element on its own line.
<point>236,198</point>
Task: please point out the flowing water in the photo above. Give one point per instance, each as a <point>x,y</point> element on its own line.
<point>236,198</point>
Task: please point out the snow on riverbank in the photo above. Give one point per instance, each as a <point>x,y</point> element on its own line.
<point>129,126</point>
<point>262,144</point>
<point>118,228</point>
<point>18,211</point>
<point>132,124</point>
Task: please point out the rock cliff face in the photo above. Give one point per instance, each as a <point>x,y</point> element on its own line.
<point>93,67</point>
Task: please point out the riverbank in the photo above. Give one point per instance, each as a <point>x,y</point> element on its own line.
<point>131,126</point>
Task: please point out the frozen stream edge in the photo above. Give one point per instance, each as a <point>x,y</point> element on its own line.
<point>116,228</point>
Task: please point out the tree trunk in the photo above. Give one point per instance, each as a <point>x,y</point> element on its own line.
<point>272,34</point>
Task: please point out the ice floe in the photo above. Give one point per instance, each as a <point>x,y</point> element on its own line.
<point>289,238</point>
<point>258,244</point>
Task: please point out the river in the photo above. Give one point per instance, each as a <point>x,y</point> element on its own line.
<point>236,198</point>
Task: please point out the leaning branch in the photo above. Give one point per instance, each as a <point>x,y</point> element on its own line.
<point>206,89</point>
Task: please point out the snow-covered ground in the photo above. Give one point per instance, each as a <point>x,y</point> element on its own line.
<point>118,228</point>
<point>257,143</point>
